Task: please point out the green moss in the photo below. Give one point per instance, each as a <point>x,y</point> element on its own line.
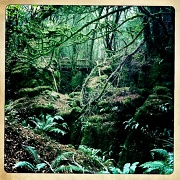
<point>38,108</point>
<point>73,94</point>
<point>144,92</point>
<point>103,103</point>
<point>96,118</point>
<point>152,114</point>
<point>127,101</point>
<point>161,90</point>
<point>32,83</point>
<point>31,92</point>
<point>74,101</point>
<point>89,137</point>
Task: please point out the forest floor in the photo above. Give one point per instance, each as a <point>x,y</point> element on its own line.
<point>17,137</point>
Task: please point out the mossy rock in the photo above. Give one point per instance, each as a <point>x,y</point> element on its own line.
<point>74,102</point>
<point>144,92</point>
<point>89,137</point>
<point>161,90</point>
<point>74,94</point>
<point>136,148</point>
<point>157,111</point>
<point>119,91</point>
<point>32,83</point>
<point>97,118</point>
<point>104,106</point>
<point>127,101</point>
<point>38,108</point>
<point>31,92</point>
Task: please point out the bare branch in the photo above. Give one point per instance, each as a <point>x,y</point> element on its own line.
<point>119,68</point>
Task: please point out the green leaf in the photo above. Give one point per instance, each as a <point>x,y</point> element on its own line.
<point>57,117</point>
<point>31,150</point>
<point>126,168</point>
<point>57,130</point>
<point>65,125</point>
<point>48,126</point>
<point>40,166</point>
<point>133,167</point>
<point>24,164</point>
<point>152,164</point>
<point>115,170</point>
<point>60,169</point>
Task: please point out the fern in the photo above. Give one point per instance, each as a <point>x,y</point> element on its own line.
<point>115,170</point>
<point>168,143</point>
<point>40,166</point>
<point>127,169</point>
<point>61,168</point>
<point>71,169</point>
<point>47,124</point>
<point>133,167</point>
<point>131,123</point>
<point>160,153</point>
<point>57,130</point>
<point>164,164</point>
<point>56,162</point>
<point>31,150</point>
<point>57,117</point>
<point>24,164</point>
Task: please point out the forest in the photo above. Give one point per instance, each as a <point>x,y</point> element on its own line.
<point>89,89</point>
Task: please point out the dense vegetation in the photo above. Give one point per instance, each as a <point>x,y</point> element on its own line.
<point>89,89</point>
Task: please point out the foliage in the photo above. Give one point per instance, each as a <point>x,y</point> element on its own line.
<point>131,123</point>
<point>55,47</point>
<point>47,124</point>
<point>127,169</point>
<point>107,164</point>
<point>163,164</point>
<point>38,165</point>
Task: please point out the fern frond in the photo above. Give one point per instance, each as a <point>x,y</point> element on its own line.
<point>75,168</point>
<point>60,169</point>
<point>133,167</point>
<point>57,117</point>
<point>65,125</point>
<point>126,168</point>
<point>153,164</point>
<point>24,164</point>
<point>66,154</point>
<point>49,119</point>
<point>40,166</point>
<point>57,130</point>
<point>161,153</point>
<point>115,170</point>
<point>48,126</point>
<point>57,161</point>
<point>31,150</point>
<point>170,159</point>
